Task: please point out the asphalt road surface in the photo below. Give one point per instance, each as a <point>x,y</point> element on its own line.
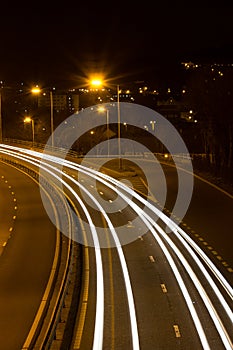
<point>149,292</point>
<point>26,257</point>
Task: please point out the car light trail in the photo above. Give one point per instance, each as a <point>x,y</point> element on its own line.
<point>177,275</point>
<point>133,321</point>
<point>179,233</point>
<point>171,224</point>
<point>99,319</point>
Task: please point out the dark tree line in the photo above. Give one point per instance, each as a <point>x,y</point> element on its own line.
<point>210,95</point>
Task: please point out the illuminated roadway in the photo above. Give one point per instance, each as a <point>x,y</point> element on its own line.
<point>162,290</point>
<point>27,240</point>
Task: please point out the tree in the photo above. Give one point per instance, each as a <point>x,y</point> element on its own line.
<point>209,93</point>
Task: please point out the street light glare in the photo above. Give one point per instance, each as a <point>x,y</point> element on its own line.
<point>101,109</point>
<point>36,90</point>
<point>96,82</point>
<point>27,120</point>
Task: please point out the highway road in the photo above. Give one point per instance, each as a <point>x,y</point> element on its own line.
<point>28,240</point>
<point>143,287</point>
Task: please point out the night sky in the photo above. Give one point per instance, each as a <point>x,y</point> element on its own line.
<point>64,43</point>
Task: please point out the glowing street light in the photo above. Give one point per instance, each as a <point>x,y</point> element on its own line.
<point>36,90</point>
<point>98,82</point>
<point>30,120</point>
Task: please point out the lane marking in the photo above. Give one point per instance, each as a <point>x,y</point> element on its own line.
<point>164,289</point>
<point>83,311</point>
<point>214,252</point>
<point>130,224</point>
<point>111,279</point>
<point>151,258</point>
<point>80,330</point>
<point>219,257</point>
<point>177,331</point>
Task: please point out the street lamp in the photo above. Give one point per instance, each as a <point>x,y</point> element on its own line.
<point>30,120</point>
<point>119,126</point>
<point>102,109</point>
<point>0,117</point>
<point>36,90</point>
<point>98,82</point>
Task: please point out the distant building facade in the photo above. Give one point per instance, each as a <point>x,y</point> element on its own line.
<point>61,101</point>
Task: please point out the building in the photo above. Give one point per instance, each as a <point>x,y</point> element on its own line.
<point>61,101</point>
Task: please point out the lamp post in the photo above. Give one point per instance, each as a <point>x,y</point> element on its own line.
<point>36,90</point>
<point>30,120</point>
<point>102,109</point>
<point>119,126</point>
<point>98,82</point>
<point>0,117</point>
<point>51,117</point>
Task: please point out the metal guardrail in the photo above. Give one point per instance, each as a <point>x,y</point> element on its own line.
<point>49,333</point>
<point>41,147</point>
<point>75,154</point>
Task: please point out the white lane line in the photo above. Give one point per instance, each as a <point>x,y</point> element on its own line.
<point>222,280</point>
<point>152,259</point>
<point>164,289</point>
<point>99,319</point>
<point>98,332</point>
<point>132,311</point>
<point>177,331</point>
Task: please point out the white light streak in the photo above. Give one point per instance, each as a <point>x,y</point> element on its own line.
<point>186,241</point>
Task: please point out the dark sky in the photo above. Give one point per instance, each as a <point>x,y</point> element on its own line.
<point>63,43</point>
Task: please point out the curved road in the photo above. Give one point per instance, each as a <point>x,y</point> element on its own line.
<point>159,291</point>
<point>26,258</point>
